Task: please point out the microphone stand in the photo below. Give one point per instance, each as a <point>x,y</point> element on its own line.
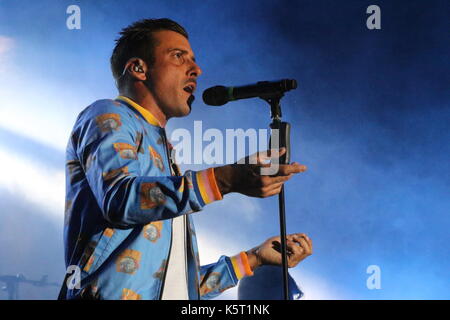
<point>12,284</point>
<point>283,136</point>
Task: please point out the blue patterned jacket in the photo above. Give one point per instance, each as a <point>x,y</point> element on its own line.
<point>121,196</point>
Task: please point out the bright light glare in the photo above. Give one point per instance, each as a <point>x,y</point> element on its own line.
<point>41,186</point>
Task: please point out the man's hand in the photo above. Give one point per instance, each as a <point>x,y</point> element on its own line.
<point>247,179</point>
<point>299,246</point>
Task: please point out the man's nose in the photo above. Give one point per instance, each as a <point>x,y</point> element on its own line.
<point>195,70</point>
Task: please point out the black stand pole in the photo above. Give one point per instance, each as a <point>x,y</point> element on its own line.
<point>283,136</point>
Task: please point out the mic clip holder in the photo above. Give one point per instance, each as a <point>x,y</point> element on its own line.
<point>283,128</point>
<point>275,107</point>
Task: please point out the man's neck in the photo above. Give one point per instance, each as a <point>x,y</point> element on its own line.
<point>146,101</point>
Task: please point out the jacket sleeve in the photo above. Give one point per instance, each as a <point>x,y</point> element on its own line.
<point>217,277</point>
<point>125,197</point>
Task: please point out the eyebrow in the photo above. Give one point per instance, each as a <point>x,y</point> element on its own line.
<point>183,51</point>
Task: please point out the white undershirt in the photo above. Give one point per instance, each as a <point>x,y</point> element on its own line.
<point>175,284</point>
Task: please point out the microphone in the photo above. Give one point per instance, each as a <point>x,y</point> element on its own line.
<point>219,95</point>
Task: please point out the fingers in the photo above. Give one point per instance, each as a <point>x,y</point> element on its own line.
<point>287,169</point>
<point>272,191</point>
<point>300,246</point>
<point>249,179</point>
<point>265,186</point>
<point>302,240</point>
<point>296,251</point>
<point>271,185</point>
<point>274,188</point>
<point>269,181</point>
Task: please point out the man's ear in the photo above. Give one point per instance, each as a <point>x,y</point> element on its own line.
<point>137,68</point>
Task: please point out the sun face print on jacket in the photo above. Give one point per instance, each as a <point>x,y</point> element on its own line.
<point>152,231</point>
<point>211,283</point>
<point>128,261</point>
<point>108,122</point>
<point>125,150</point>
<point>151,196</point>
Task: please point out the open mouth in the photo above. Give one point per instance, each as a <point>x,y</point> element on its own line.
<point>189,89</point>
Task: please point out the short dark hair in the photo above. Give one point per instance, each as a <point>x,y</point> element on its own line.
<point>137,40</point>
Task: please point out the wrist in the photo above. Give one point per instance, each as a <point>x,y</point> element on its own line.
<point>253,258</point>
<point>224,179</point>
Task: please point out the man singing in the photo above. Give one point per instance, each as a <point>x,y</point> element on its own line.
<point>127,224</point>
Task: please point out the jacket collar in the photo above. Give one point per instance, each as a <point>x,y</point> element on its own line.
<point>148,116</point>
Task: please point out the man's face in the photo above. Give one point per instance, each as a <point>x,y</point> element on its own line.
<point>173,76</point>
